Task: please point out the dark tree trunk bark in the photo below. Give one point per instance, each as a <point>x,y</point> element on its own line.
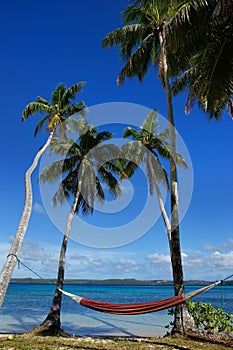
<point>183,322</point>
<point>52,323</point>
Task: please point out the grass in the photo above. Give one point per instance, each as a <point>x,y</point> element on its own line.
<point>31,342</point>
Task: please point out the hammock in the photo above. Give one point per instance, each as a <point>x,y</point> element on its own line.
<point>138,308</point>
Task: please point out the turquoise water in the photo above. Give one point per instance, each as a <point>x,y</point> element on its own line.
<point>27,305</point>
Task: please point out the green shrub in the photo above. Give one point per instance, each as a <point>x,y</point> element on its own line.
<point>210,320</point>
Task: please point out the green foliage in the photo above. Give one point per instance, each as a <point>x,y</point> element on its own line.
<point>58,110</point>
<point>84,168</point>
<point>210,320</point>
<point>201,35</point>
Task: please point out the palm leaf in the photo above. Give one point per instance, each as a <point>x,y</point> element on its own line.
<point>78,108</point>
<point>130,132</point>
<point>52,172</point>
<point>139,62</point>
<point>58,94</point>
<point>36,107</point>
<point>110,180</point>
<point>63,147</point>
<point>127,35</point>
<point>43,101</point>
<point>40,124</point>
<point>151,122</point>
<point>70,93</point>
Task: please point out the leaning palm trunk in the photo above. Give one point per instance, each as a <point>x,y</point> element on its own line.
<point>183,322</point>
<point>52,324</point>
<point>11,260</point>
<point>163,211</point>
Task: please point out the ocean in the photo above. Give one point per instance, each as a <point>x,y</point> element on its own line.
<point>26,306</point>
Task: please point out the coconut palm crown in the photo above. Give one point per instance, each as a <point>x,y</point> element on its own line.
<point>142,42</point>
<point>58,109</point>
<point>86,166</point>
<point>203,57</point>
<point>148,146</point>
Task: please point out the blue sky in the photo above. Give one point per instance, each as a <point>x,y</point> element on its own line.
<point>48,42</point>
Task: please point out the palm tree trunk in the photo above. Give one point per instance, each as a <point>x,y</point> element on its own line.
<point>11,260</point>
<point>52,324</point>
<point>183,322</point>
<point>163,211</point>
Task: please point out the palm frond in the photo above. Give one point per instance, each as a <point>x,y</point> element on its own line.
<point>70,93</point>
<point>63,147</point>
<point>79,109</point>
<point>181,161</point>
<point>99,190</point>
<point>109,180</point>
<point>52,172</point>
<point>139,62</point>
<point>151,122</point>
<point>58,94</point>
<point>43,101</point>
<point>40,124</point>
<point>217,73</point>
<point>35,107</point>
<point>130,132</point>
<point>79,126</point>
<point>164,135</point>
<point>128,169</point>
<point>133,151</point>
<point>126,37</point>
<point>103,136</point>
<point>61,194</point>
<point>211,74</point>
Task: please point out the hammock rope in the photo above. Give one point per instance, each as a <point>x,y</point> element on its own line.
<point>131,309</point>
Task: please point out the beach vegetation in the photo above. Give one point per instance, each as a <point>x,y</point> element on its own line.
<point>142,42</point>
<point>147,146</point>
<point>86,167</point>
<point>205,59</point>
<point>54,113</point>
<point>210,321</point>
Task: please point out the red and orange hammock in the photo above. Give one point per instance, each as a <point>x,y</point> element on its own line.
<point>138,308</point>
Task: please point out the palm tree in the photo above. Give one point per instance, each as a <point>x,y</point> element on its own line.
<point>206,68</point>
<point>85,171</point>
<point>142,41</point>
<point>148,146</point>
<point>56,111</point>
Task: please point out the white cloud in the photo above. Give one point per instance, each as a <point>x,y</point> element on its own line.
<point>212,266</point>
<point>159,258</point>
<point>106,266</point>
<point>220,247</point>
<point>102,264</point>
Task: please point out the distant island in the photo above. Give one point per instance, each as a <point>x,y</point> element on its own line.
<point>113,281</point>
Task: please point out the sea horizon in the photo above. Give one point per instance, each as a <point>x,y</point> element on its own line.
<point>120,281</point>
